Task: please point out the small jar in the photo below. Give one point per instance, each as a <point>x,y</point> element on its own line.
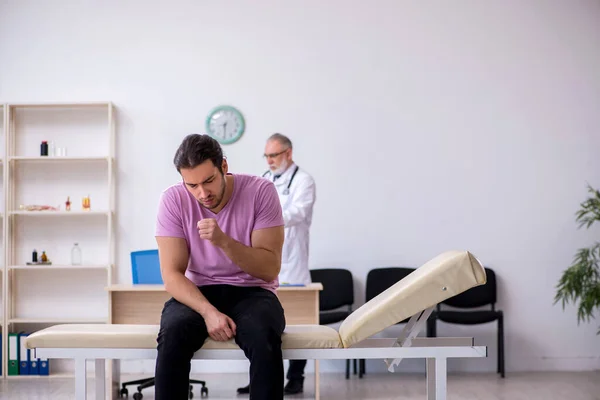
<point>44,148</point>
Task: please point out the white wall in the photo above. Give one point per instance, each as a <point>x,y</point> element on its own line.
<point>462,124</point>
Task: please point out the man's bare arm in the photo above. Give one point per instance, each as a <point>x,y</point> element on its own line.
<point>261,260</point>
<point>174,256</point>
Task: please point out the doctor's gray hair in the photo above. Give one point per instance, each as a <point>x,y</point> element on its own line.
<point>284,140</point>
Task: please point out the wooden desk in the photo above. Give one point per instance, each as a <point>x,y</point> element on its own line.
<point>142,304</point>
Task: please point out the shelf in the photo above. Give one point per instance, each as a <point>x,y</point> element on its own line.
<point>57,321</point>
<point>58,213</point>
<point>59,266</point>
<point>88,130</point>
<point>61,105</point>
<point>55,375</point>
<point>57,158</point>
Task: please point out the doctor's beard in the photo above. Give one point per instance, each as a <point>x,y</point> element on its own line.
<point>282,167</point>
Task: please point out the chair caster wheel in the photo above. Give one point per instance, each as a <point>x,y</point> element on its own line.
<point>124,393</point>
<point>204,391</point>
<point>137,396</point>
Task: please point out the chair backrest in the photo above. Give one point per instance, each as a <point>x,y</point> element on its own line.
<point>145,267</point>
<point>477,296</point>
<point>338,287</point>
<point>380,279</point>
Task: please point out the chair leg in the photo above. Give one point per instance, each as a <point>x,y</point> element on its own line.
<point>501,346</point>
<point>361,367</point>
<point>431,326</point>
<point>136,382</point>
<point>354,366</point>
<point>348,369</point>
<point>147,384</point>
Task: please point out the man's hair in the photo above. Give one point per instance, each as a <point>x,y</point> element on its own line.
<point>284,140</point>
<point>196,149</point>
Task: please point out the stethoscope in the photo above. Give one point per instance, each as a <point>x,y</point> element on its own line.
<point>286,191</point>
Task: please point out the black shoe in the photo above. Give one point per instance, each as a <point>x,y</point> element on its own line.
<point>244,390</point>
<point>294,386</point>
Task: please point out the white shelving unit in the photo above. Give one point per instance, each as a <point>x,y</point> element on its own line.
<point>82,165</point>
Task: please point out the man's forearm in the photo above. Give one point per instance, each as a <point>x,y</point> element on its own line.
<point>186,292</point>
<point>257,262</point>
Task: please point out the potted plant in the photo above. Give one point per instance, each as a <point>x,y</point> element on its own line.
<point>580,282</point>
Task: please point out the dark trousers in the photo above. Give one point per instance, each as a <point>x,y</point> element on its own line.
<point>296,370</point>
<point>260,322</point>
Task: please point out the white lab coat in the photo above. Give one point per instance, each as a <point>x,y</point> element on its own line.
<point>297,214</point>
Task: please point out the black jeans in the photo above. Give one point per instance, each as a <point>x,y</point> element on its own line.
<point>259,320</point>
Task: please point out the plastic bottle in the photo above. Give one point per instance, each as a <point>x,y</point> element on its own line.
<point>34,256</point>
<point>76,255</point>
<point>44,148</point>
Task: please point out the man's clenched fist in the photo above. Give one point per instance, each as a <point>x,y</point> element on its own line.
<point>209,229</point>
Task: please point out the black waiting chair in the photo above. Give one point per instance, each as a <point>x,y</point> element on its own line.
<point>338,292</point>
<point>379,280</point>
<point>475,297</point>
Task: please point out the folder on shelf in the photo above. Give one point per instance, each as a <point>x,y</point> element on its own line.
<point>13,354</point>
<point>23,355</point>
<point>33,363</point>
<point>44,366</point>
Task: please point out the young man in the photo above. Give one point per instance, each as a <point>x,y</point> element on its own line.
<point>220,238</point>
<point>297,194</point>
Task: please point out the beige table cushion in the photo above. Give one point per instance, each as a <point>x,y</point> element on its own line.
<point>444,276</point>
<point>115,336</point>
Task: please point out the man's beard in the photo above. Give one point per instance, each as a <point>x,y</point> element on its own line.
<point>281,169</point>
<point>219,197</point>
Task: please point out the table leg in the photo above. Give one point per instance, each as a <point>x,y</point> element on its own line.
<point>317,381</point>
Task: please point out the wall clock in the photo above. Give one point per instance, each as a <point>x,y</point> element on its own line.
<point>226,124</point>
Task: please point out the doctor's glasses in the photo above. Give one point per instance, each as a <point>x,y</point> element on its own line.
<point>273,155</point>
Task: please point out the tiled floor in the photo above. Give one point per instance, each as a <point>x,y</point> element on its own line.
<point>516,386</point>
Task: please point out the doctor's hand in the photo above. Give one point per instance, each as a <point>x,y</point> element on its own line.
<point>219,326</point>
<point>209,229</point>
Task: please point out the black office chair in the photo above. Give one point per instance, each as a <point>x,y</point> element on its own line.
<point>145,269</point>
<point>477,296</point>
<point>379,280</point>
<point>338,291</point>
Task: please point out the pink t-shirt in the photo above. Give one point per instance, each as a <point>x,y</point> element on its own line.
<point>254,204</point>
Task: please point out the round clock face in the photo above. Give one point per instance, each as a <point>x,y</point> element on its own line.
<point>226,124</point>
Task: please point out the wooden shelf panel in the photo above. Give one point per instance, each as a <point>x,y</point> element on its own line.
<point>61,105</point>
<point>59,375</point>
<point>58,320</point>
<point>58,213</point>
<point>59,266</point>
<point>58,158</point>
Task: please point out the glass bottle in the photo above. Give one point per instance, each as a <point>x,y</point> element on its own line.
<point>76,255</point>
<point>85,203</point>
